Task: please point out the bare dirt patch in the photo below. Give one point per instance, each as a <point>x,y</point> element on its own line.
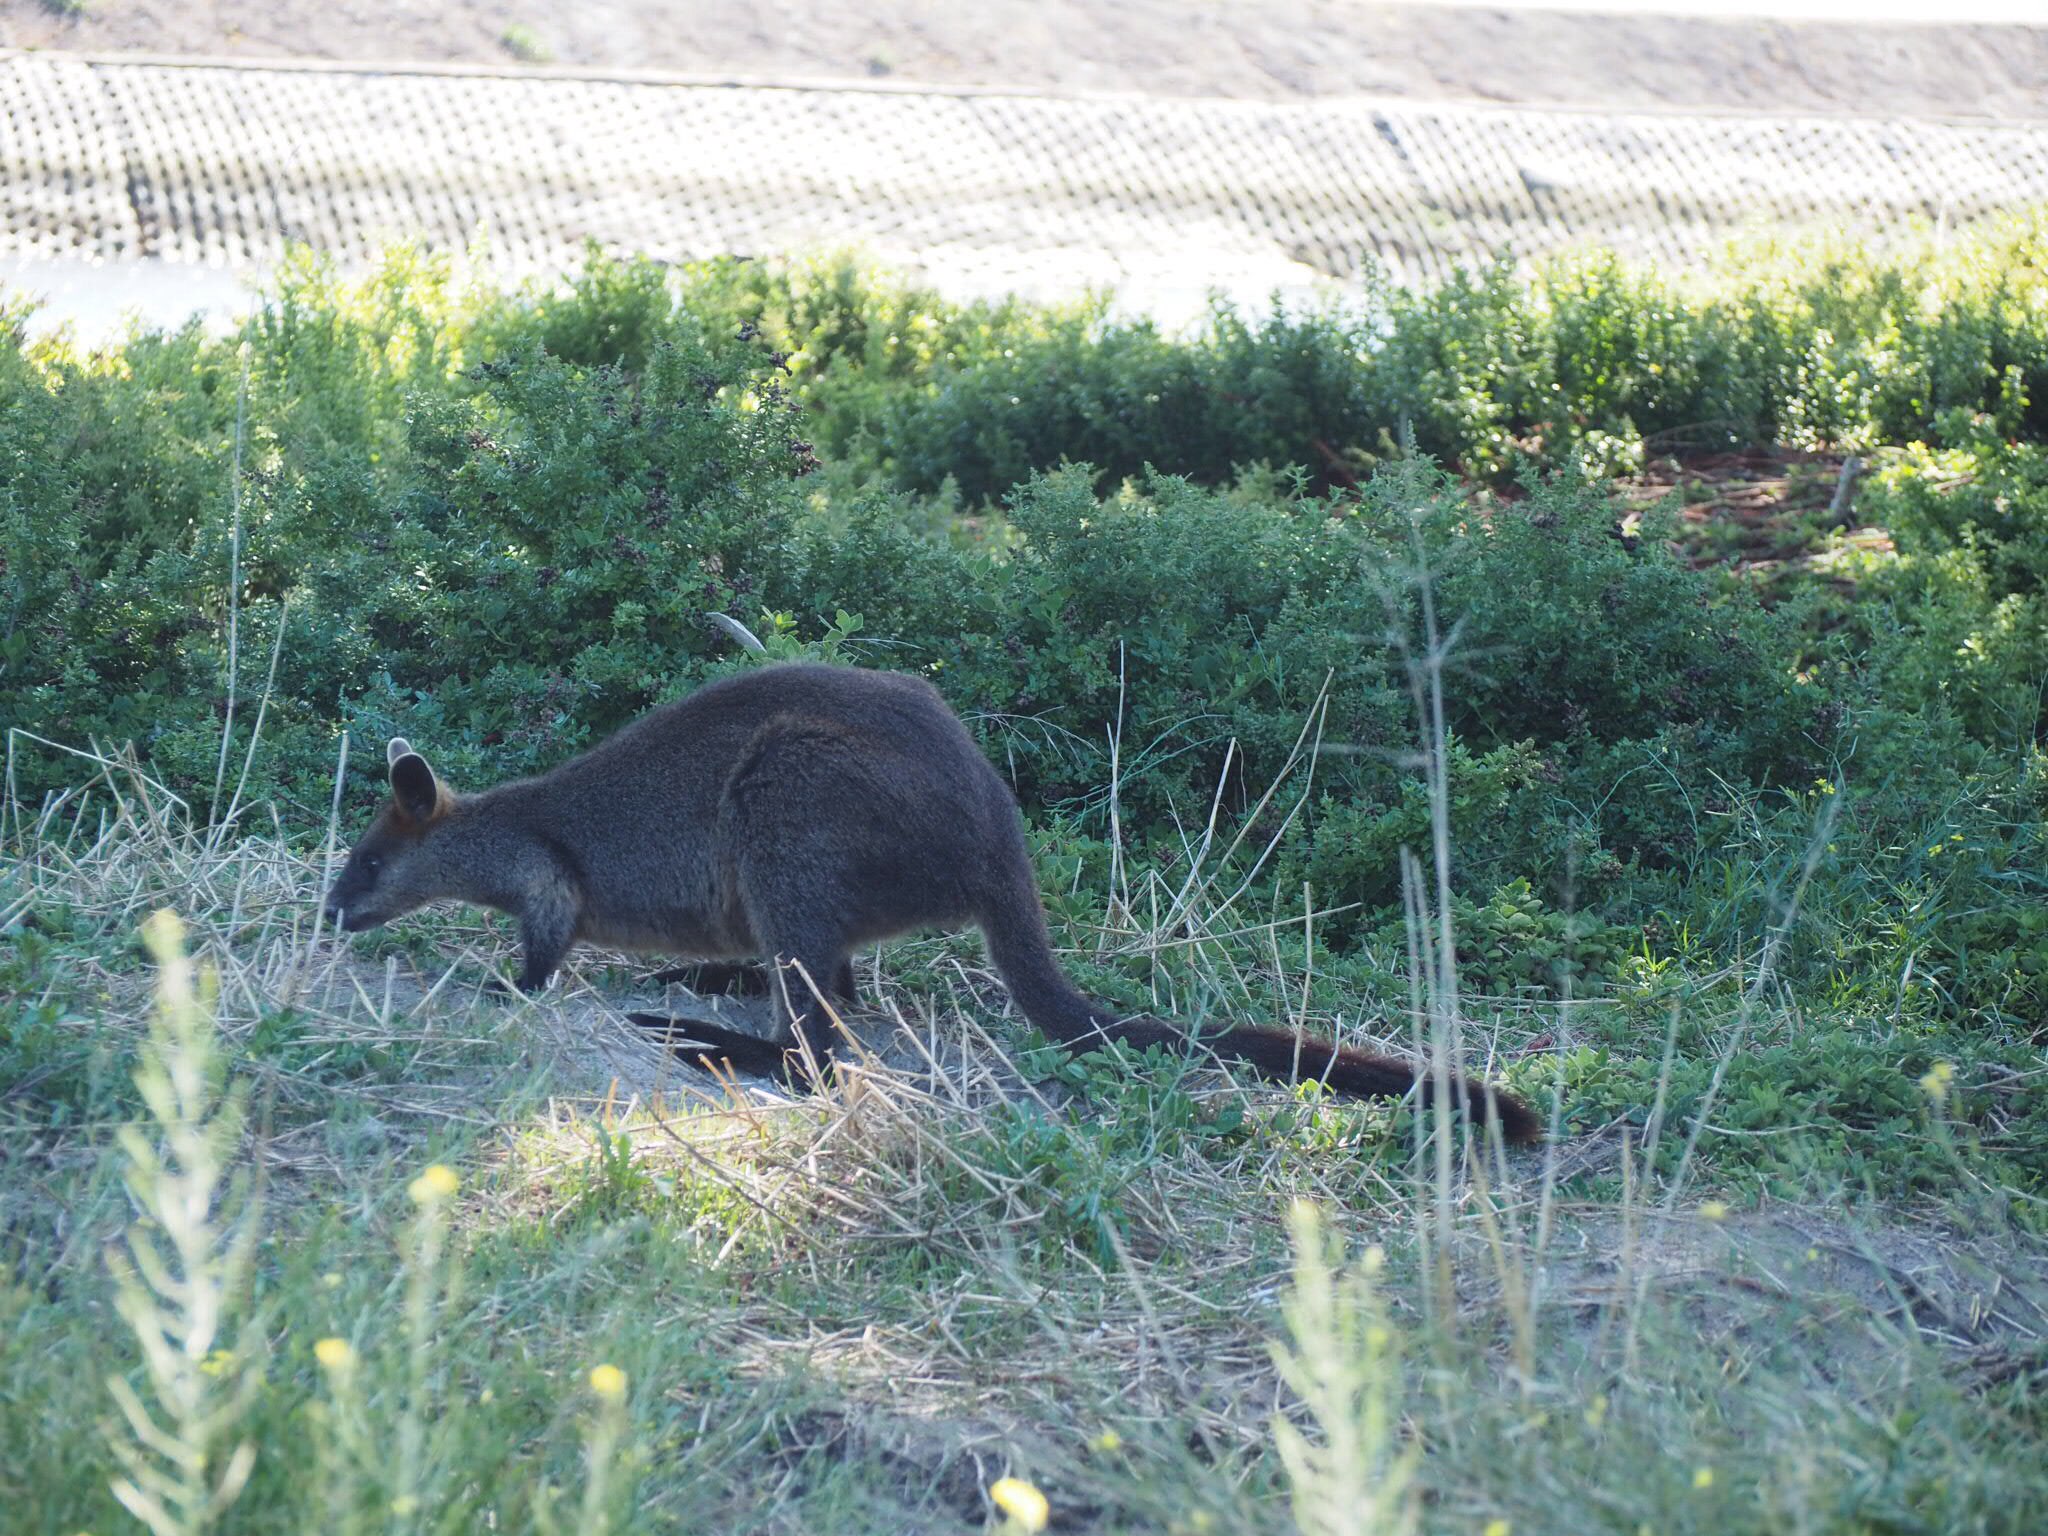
<point>1773,517</point>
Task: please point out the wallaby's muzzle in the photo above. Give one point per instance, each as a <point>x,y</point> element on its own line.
<point>350,911</point>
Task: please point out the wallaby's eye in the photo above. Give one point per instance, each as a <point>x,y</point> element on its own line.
<point>372,862</point>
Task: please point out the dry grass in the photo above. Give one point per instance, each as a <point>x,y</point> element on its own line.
<point>946,1268</point>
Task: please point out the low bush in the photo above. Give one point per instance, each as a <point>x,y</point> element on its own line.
<point>1806,343</point>
<point>1967,583</point>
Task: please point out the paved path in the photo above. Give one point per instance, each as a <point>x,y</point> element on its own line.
<point>220,165</point>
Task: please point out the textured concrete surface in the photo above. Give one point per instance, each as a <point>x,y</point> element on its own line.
<point>218,166</point>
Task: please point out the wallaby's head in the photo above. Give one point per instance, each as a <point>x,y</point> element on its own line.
<point>394,868</point>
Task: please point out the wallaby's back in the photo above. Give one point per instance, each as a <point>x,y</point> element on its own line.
<point>866,776</point>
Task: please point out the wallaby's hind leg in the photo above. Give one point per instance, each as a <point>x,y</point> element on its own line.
<point>800,1019</point>
<point>830,833</point>
<point>803,966</point>
<point>794,921</point>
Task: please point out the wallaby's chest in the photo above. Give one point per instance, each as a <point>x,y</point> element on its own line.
<point>666,901</point>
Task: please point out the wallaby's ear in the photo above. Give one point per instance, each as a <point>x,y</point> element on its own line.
<point>415,788</point>
<point>394,749</point>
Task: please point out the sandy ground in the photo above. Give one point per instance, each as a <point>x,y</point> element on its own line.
<point>1246,48</point>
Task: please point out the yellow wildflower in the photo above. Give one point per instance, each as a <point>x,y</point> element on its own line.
<point>608,1382</point>
<point>1021,1502</point>
<point>435,1185</point>
<point>335,1354</point>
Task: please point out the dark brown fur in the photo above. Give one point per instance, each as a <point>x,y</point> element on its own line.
<point>791,813</point>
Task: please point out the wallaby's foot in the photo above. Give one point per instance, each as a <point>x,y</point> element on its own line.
<point>707,1045</point>
<point>711,1046</point>
<point>717,978</point>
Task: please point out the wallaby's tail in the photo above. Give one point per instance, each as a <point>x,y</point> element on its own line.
<point>1022,950</point>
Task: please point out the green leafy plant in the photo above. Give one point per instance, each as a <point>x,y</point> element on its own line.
<point>185,1274</point>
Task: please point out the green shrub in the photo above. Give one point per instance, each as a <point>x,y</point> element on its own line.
<point>106,477</point>
<point>505,560</point>
<point>511,557</point>
<point>544,575</point>
<point>1819,342</point>
<point>1969,584</point>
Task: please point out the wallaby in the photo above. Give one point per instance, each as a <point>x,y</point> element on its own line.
<point>791,813</point>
